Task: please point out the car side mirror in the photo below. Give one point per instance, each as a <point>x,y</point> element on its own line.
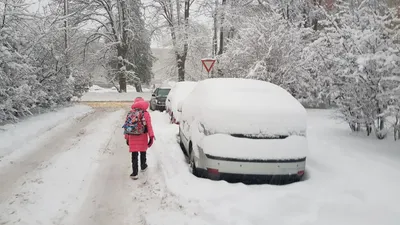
<point>180,107</point>
<point>153,95</point>
<point>201,128</point>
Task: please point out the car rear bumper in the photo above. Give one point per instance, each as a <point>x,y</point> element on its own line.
<point>253,170</point>
<point>251,178</point>
<point>160,106</point>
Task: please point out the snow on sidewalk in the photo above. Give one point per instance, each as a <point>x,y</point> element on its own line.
<point>24,133</point>
<point>348,184</point>
<point>51,193</point>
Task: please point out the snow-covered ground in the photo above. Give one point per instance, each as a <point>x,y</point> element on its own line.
<point>75,170</point>
<point>351,180</point>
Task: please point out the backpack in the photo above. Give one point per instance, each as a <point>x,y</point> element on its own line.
<point>135,123</point>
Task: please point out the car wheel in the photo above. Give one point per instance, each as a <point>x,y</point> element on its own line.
<point>181,143</point>
<point>192,164</point>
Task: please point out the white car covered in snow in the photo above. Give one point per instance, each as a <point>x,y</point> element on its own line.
<point>241,129</point>
<point>177,94</point>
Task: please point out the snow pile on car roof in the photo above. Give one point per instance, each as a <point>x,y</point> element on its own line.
<point>244,106</point>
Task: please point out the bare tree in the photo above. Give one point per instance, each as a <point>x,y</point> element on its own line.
<point>115,27</point>
<point>177,20</point>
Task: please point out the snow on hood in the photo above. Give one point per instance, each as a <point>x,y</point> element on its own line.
<point>244,106</point>
<point>140,103</point>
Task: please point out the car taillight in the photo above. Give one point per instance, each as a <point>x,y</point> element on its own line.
<point>212,171</point>
<point>300,173</point>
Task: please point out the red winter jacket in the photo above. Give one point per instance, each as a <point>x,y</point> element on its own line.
<point>139,143</point>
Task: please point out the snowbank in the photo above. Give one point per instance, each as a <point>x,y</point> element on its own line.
<point>14,136</point>
<point>244,106</point>
<point>293,147</point>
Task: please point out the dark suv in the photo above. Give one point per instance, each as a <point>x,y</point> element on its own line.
<point>158,98</point>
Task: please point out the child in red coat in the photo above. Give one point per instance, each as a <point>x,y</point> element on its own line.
<point>140,143</point>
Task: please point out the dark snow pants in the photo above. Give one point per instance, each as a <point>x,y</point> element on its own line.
<point>143,159</point>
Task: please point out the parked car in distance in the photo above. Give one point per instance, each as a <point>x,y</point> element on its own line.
<point>243,130</point>
<point>158,98</point>
<point>177,94</point>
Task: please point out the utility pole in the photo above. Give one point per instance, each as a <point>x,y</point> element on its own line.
<point>66,44</point>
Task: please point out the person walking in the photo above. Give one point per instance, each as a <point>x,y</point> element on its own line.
<point>139,135</point>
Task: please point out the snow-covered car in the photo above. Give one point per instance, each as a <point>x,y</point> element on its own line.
<point>242,129</point>
<point>158,98</point>
<point>177,94</point>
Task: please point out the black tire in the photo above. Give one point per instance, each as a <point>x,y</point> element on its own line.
<point>192,164</point>
<point>181,143</point>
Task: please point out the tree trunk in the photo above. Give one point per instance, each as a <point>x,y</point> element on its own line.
<point>123,47</point>
<point>3,23</point>
<point>182,58</point>
<point>369,128</point>
<point>121,68</point>
<point>221,30</point>
<point>355,127</point>
<point>181,67</point>
<point>215,36</point>
<point>138,87</point>
<point>380,126</point>
<point>221,36</point>
<point>396,128</point>
<point>66,39</point>
<point>315,20</point>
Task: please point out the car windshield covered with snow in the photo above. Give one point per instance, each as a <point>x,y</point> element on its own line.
<point>228,126</point>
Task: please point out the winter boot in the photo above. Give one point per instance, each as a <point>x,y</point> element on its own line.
<point>134,176</point>
<point>143,164</point>
<point>144,167</point>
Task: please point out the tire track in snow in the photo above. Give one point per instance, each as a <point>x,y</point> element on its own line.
<point>45,197</point>
<point>18,164</point>
<point>114,198</point>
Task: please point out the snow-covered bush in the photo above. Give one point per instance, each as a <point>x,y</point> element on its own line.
<point>360,52</point>
<point>19,87</point>
<point>267,48</point>
<point>33,68</point>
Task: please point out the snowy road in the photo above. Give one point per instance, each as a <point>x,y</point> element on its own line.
<point>76,171</point>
